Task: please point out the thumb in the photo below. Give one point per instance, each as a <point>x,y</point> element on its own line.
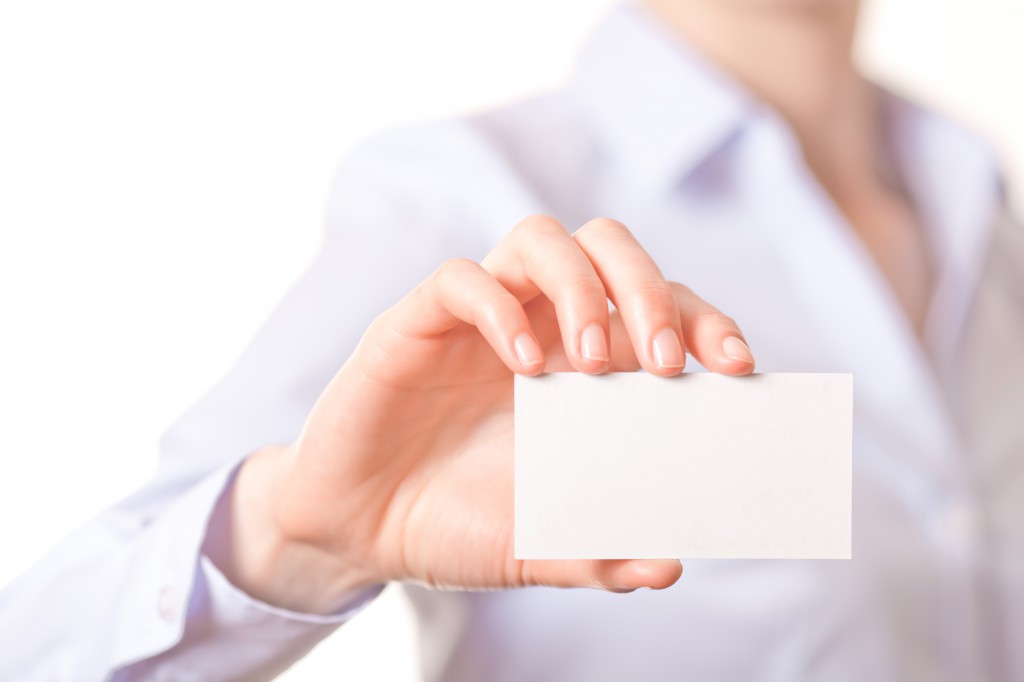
<point>614,575</point>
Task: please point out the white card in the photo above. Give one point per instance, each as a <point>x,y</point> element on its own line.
<point>633,466</point>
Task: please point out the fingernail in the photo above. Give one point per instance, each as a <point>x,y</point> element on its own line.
<point>735,349</point>
<point>668,352</point>
<point>593,345</point>
<point>527,350</point>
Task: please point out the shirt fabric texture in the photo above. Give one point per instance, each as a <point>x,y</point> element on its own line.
<point>714,186</point>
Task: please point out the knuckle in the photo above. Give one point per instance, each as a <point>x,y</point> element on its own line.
<point>539,224</point>
<point>714,317</point>
<point>382,320</point>
<point>605,227</point>
<point>588,286</point>
<point>452,269</point>
<point>654,292</point>
<point>497,307</point>
<point>681,289</point>
<point>583,290</point>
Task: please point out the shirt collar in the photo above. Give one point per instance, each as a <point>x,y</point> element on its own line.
<point>952,175</point>
<point>662,109</point>
<point>656,106</point>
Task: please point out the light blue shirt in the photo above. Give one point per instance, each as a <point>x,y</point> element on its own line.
<point>714,185</point>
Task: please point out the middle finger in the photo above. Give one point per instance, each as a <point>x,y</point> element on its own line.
<point>639,291</point>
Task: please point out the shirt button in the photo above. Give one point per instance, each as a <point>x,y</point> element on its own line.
<point>165,603</point>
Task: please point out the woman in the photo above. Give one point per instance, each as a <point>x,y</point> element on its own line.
<point>739,153</point>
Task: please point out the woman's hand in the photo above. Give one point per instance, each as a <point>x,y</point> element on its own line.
<point>403,470</point>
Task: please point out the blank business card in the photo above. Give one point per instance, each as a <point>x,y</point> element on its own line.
<point>633,466</point>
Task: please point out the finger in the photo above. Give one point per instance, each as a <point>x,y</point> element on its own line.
<point>640,293</point>
<point>611,575</point>
<point>539,257</point>
<point>712,337</point>
<point>541,313</point>
<point>623,357</point>
<point>462,291</point>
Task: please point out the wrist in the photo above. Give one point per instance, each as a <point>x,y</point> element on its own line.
<point>264,561</point>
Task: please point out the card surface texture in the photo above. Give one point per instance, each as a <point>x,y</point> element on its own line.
<point>633,466</point>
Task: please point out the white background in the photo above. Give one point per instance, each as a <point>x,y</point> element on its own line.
<point>163,168</point>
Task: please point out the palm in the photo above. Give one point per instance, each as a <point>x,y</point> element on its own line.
<point>452,508</point>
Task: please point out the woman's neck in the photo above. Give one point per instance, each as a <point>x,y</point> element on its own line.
<point>796,55</point>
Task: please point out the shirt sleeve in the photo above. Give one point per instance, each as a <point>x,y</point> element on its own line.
<point>222,623</point>
<point>130,592</point>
